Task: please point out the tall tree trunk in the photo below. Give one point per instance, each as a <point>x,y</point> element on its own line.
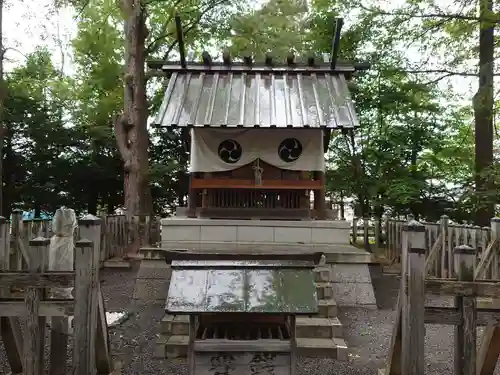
<point>413,164</point>
<point>92,202</point>
<point>3,94</point>
<point>37,208</point>
<point>131,127</point>
<point>483,113</point>
<point>8,175</point>
<point>110,208</point>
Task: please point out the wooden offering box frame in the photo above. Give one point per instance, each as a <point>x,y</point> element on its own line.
<point>242,309</point>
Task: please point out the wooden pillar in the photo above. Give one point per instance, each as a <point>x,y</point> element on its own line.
<point>206,196</point>
<point>193,320</point>
<point>443,227</point>
<point>86,307</point>
<point>366,234</point>
<point>489,351</point>
<point>34,334</point>
<point>465,334</point>
<point>10,331</point>
<point>378,233</point>
<point>17,258</point>
<point>413,301</point>
<point>191,204</point>
<point>90,229</point>
<point>305,199</point>
<point>319,196</point>
<point>293,343</point>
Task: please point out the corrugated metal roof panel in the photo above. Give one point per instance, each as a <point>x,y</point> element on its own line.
<point>257,100</point>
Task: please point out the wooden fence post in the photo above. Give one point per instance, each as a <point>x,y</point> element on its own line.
<point>354,230</point>
<point>394,359</point>
<point>17,259</point>
<point>495,235</point>
<point>443,225</point>
<point>398,239</point>
<point>86,305</point>
<point>413,306</point>
<point>388,238</point>
<point>378,232</point>
<point>90,228</point>
<point>34,334</point>
<point>489,350</point>
<point>465,334</point>
<point>366,234</point>
<point>10,329</point>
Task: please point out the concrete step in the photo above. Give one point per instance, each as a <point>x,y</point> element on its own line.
<point>176,347</point>
<point>175,325</point>
<point>327,308</point>
<point>172,346</point>
<point>117,262</point>
<point>320,348</point>
<point>321,328</point>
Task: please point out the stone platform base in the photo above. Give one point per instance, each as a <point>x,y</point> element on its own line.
<point>178,231</point>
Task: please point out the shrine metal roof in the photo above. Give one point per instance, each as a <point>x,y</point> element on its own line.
<point>257,97</point>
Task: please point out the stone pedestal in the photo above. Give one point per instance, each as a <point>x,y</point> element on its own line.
<point>267,234</point>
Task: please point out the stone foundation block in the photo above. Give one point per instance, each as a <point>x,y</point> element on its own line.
<point>175,325</point>
<point>327,308</point>
<point>322,348</point>
<point>322,274</point>
<point>322,328</point>
<point>324,290</point>
<point>177,347</point>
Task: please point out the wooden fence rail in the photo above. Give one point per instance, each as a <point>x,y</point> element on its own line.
<point>406,354</point>
<point>91,351</point>
<point>118,236</point>
<point>441,238</point>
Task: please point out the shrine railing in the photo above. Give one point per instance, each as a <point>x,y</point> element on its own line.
<point>244,198</point>
<point>253,198</point>
<point>219,183</point>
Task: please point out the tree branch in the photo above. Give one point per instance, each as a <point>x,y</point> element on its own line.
<point>156,42</point>
<point>431,15</point>
<point>445,73</point>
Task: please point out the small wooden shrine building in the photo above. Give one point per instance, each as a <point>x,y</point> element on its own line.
<point>258,132</point>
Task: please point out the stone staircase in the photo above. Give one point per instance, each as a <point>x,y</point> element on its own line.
<point>317,336</point>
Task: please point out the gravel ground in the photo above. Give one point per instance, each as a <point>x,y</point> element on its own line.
<point>368,333</point>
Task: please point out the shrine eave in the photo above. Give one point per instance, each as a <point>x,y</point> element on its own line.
<point>258,97</point>
<point>344,67</point>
